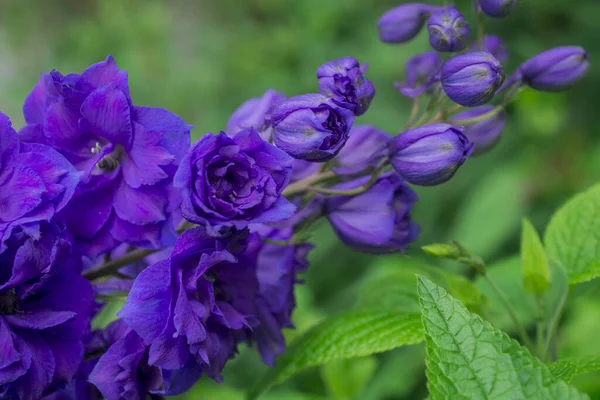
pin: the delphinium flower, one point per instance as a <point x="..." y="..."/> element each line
<point x="311" y="127"/>
<point x="343" y="81"/>
<point x="555" y="69"/>
<point x="128" y="155"/>
<point x="497" y="8"/>
<point x="421" y="74"/>
<point x="429" y="155"/>
<point x="493" y="45"/>
<point x="403" y="23"/>
<point x="484" y="133"/>
<point x="366" y="147"/>
<point x="254" y="113"/>
<point x="36" y="182"/>
<point x="472" y="79"/>
<point x="448" y="30"/>
<point x="377" y="220"/>
<point x="237" y="181"/>
<point x="45" y="311"/>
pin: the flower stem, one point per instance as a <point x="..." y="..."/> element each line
<point x="480" y="30"/>
<point x="351" y="192"/>
<point x="414" y="110"/>
<point x="554" y="320"/>
<point x="520" y="329"/>
<point x="479" y="118"/>
<point x="303" y="185"/>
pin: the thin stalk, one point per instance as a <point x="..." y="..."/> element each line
<point x="480" y="30"/>
<point x="554" y="320"/>
<point x="540" y="326"/>
<point x="302" y="185"/>
<point x="520" y="329"/>
<point x="414" y="110"/>
<point x="351" y="192"/>
<point x="479" y="118"/>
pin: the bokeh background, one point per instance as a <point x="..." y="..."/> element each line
<point x="203" y="58"/>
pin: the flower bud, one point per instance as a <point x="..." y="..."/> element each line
<point x="472" y="79"/>
<point x="310" y="127"/>
<point x="421" y="74"/>
<point x="343" y="81"/>
<point x="253" y="113"/>
<point x="493" y="45"/>
<point x="387" y="204"/>
<point x="448" y="30"/>
<point x="483" y="134"/>
<point x="429" y="155"/>
<point x="555" y="69"/>
<point x="497" y="8"/>
<point x="366" y="147"/>
<point x="403" y="23"/>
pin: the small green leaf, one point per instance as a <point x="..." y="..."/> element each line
<point x="467" y="358"/>
<point x="347" y="378"/>
<point x="568" y="368"/>
<point x="357" y="333"/>
<point x="442" y="250"/>
<point x="573" y="236"/>
<point x="536" y="271"/>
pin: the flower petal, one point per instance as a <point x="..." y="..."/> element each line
<point x="106" y="111"/>
<point x="141" y="206"/>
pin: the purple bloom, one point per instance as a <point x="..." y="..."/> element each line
<point x="128" y="155"/>
<point x="234" y="181"/>
<point x="403" y="23"/>
<point x="45" y="310"/>
<point x="36" y="182"/>
<point x="343" y="81"/>
<point x="497" y="8"/>
<point x="493" y="45"/>
<point x="448" y="30"/>
<point x="303" y="169"/>
<point x="483" y="134"/>
<point x="429" y="155"/>
<point x="376" y="221"/>
<point x="254" y="113"/>
<point x="421" y="74"/>
<point x="311" y="127"/>
<point x="184" y="307"/>
<point x="366" y="147"/>
<point x="472" y="79"/>
<point x="555" y="69"/>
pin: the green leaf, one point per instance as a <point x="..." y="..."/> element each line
<point x="536" y="271"/>
<point x="357" y="333"/>
<point x="573" y="236"/>
<point x="498" y="203"/>
<point x="347" y="378"/>
<point x="568" y="368"/>
<point x="467" y="358"/>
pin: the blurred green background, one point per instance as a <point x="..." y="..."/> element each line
<point x="203" y="58"/>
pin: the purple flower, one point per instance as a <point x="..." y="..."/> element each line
<point x="366" y="147"/>
<point x="421" y="74"/>
<point x="497" y="8"/>
<point x="429" y="155"/>
<point x="493" y="45"/>
<point x="311" y="127"/>
<point x="403" y="23"/>
<point x="343" y="81"/>
<point x="483" y="134"/>
<point x="234" y="181"/>
<point x="448" y="30"/>
<point x="122" y="372"/>
<point x="45" y="310"/>
<point x="555" y="69"/>
<point x="376" y="221"/>
<point x="303" y="169"/>
<point x="254" y="113"/>
<point x="472" y="79"/>
<point x="128" y="155"/>
<point x="184" y="307"/>
<point x="36" y="182"/>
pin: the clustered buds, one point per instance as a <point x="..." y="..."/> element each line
<point x="208" y="239"/>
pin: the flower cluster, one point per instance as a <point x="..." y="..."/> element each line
<point x="99" y="196"/>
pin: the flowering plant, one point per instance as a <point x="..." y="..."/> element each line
<point x="101" y="198"/>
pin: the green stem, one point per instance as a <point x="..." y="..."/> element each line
<point x="480" y="30"/>
<point x="520" y="329"/>
<point x="413" y="113"/>
<point x="540" y="341"/>
<point x="554" y="320"/>
<point x="303" y="185"/>
<point x="351" y="192"/>
<point x="479" y="118"/>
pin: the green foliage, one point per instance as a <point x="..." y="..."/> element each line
<point x="353" y="334"/>
<point x="347" y="378"/>
<point x="469" y="359"/>
<point x="573" y="236"/>
<point x="536" y="271"/>
<point x="568" y="368"/>
<point x="442" y="250"/>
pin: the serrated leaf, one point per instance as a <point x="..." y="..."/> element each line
<point x="358" y="333"/>
<point x="568" y="368"/>
<point x="573" y="236"/>
<point x="536" y="271"/>
<point x="467" y="358"/>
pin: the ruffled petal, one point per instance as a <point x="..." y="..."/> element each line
<point x="107" y="113"/>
